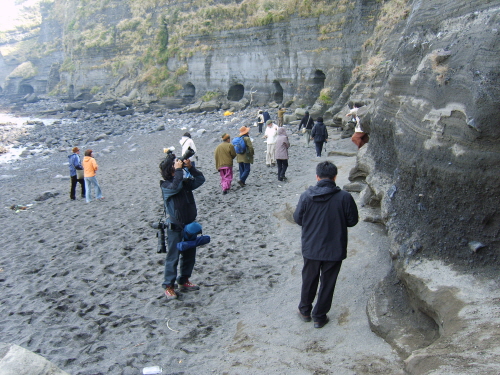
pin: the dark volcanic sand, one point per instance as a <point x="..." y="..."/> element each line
<point x="81" y="283"/>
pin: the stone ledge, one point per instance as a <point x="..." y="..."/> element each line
<point x="465" y="310"/>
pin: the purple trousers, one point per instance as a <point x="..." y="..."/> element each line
<point x="226" y="176"/>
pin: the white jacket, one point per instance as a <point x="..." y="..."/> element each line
<point x="271" y="134"/>
<point x="187" y="142"/>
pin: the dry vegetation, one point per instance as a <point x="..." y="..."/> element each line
<point x="25" y="70"/>
<point x="374" y="61"/>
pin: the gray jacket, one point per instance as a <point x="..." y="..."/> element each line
<point x="282" y="145"/>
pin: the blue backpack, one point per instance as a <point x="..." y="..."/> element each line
<point x="239" y="145"/>
<point x="266" y="116"/>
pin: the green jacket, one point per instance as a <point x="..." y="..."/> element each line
<point x="248" y="156"/>
<point x="224" y="155"/>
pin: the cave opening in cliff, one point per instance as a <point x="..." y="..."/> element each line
<point x="236" y="92"/>
<point x="318" y="82"/>
<point x="277" y="93"/>
<point x="26" y="89"/>
<point x="188" y="93"/>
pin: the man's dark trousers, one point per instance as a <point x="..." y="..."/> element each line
<point x="187" y="259"/>
<point x="74" y="182"/>
<point x="313" y="272"/>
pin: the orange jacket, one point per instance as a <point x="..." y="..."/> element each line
<point x="89" y="166"/>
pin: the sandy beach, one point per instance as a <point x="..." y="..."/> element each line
<point x="82" y="282"/>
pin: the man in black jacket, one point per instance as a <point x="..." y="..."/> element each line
<point x="180" y="179"/>
<point x="320" y="135"/>
<point x="324" y="211"/>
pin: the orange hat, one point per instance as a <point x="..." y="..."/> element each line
<point x="75" y="149"/>
<point x="244" y="130"/>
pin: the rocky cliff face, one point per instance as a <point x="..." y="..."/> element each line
<point x="435" y="131"/>
<point x="288" y="55"/>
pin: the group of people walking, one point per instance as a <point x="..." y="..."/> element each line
<point x="319" y="134"/>
<point x="242" y="149"/>
<point x="277" y="145"/>
<point x="84" y="173"/>
<point x="324" y="212"/>
<point x="316" y="132"/>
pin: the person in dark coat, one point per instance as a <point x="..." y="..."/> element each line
<point x="307" y="122"/>
<point x="180" y="179"/>
<point x="320" y="135"/>
<point x="325" y="212"/>
<point x="74" y="166"/>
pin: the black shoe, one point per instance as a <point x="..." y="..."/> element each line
<point x="322" y="323"/>
<point x="224" y="192"/>
<point x="280" y="179"/>
<point x="241" y="183"/>
<point x="304" y="318"/>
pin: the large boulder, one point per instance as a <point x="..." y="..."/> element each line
<point x="237" y="106"/>
<point x="210" y="106"/>
<point x="96" y="107"/>
<point x="299" y="113"/>
<point x="74" y="107"/>
<point x="193" y="108"/>
<point x="84" y="96"/>
<point x="15" y="360"/>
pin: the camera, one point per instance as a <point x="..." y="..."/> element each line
<point x="160" y="234"/>
<point x="160" y="225"/>
<point x="189" y="152"/>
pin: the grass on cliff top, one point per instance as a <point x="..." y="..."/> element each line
<point x="209" y="16"/>
<point x="392" y="13"/>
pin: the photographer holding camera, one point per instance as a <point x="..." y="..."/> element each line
<point x="180" y="179"/>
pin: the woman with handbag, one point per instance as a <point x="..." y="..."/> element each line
<point x="307" y="122"/>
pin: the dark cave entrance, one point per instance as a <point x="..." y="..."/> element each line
<point x="26" y="89"/>
<point x="189" y="93"/>
<point x="236" y="93"/>
<point x="318" y="82"/>
<point x="277" y="93"/>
